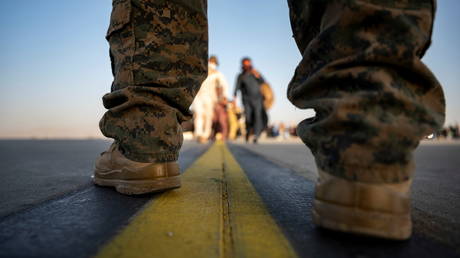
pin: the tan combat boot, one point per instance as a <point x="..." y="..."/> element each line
<point x="379" y="210"/>
<point x="131" y="177"/>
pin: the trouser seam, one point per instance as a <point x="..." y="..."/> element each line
<point x="133" y="42"/>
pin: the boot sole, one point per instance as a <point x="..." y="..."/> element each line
<point x="131" y="187"/>
<point x="359" y="221"/>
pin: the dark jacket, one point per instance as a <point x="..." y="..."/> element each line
<point x="249" y="85"/>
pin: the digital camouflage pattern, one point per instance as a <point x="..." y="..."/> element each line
<point x="361" y="72"/>
<point x="159" y="54"/>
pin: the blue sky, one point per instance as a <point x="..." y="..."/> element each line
<point x="54" y="64"/>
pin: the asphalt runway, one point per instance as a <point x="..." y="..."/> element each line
<point x="49" y="208"/>
<point x="435" y="210"/>
<point x="435" y="191"/>
<point x="34" y="171"/>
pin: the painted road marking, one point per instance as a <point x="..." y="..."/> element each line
<point x="216" y="213"/>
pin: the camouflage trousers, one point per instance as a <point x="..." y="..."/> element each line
<point x="361" y="72"/>
<point x="159" y="53"/>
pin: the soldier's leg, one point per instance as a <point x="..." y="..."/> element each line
<point x="374" y="101"/>
<point x="158" y="50"/>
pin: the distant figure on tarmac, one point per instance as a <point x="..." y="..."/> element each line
<point x="249" y="82"/>
<point x="361" y="71"/>
<point x="220" y="120"/>
<point x="206" y="100"/>
<point x="233" y="112"/>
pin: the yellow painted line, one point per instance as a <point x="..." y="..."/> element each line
<point x="216" y="213"/>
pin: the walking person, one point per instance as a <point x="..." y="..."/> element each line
<point x="206" y="100"/>
<point x="248" y="83"/>
<point x="361" y="71"/>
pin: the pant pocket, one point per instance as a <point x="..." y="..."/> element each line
<point x="120" y="17"/>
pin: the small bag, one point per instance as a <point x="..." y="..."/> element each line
<point x="267" y="94"/>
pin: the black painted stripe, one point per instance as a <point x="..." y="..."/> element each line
<point x="288" y="198"/>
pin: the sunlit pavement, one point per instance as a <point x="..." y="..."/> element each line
<point x="237" y="200"/>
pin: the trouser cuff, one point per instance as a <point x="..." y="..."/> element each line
<point x="158" y="157"/>
<point x="372" y="173"/>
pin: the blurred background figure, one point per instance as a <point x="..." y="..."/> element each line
<point x="206" y="99"/>
<point x="249" y="82"/>
<point x="234" y="114"/>
<point x="454" y="131"/>
<point x="292" y="130"/>
<point x="451" y="132"/>
<point x="283" y="133"/>
<point x="220" y="119"/>
<point x="272" y="131"/>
